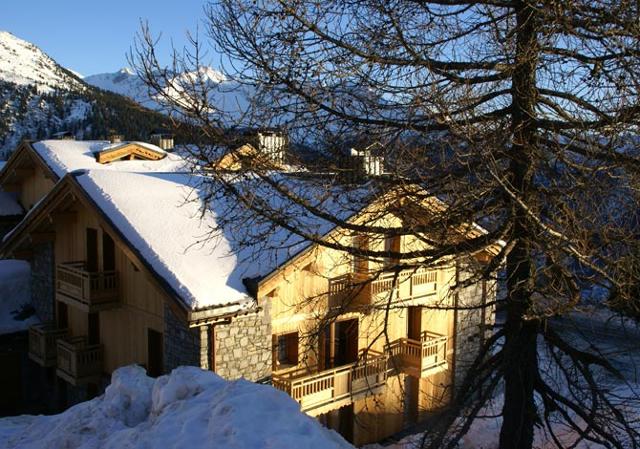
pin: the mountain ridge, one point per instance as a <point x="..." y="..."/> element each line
<point x="39" y="97"/>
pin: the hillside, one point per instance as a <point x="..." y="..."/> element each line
<point x="38" y="97"/>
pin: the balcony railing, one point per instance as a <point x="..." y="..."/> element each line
<point x="78" y="361"/>
<point x="323" y="391"/>
<point x="420" y="358"/>
<point x="90" y="291"/>
<point x="43" y="343"/>
<point x="361" y="289"/>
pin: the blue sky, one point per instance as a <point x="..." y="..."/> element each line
<point x="94" y="36"/>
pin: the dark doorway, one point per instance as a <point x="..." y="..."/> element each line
<point x="346" y="342"/>
<point x="346" y="422"/>
<point x="154" y="353"/>
<point x="341" y="420"/>
<point x="63" y="315"/>
<point x="411" y="393"/>
<point x="414" y="320"/>
<point x="94" y="328"/>
<point x="92" y="250"/>
<point x="108" y="252"/>
<point x="212" y="348"/>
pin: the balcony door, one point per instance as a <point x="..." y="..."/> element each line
<point x="94" y="328"/>
<point x="360" y="263"/>
<point x="414" y="323"/>
<point x="339" y="344"/>
<point x="62" y="314"/>
<point x="391" y="245"/>
<point x="92" y="249"/>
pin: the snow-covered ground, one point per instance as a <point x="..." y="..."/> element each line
<point x="189" y="408"/>
<point x="15" y="294"/>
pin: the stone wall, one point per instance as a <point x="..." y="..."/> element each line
<point x="243" y="347"/>
<point x="472" y="326"/>
<point x="42" y="284"/>
<point x="181" y="343"/>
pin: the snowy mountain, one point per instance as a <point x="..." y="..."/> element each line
<point x="39" y="97"/>
<point x="227" y="95"/>
<point x="123" y="82"/>
<point x="24" y="64"/>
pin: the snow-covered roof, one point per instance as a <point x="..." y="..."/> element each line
<point x="9" y="205"/>
<point x="155" y="215"/>
<point x="194" y="249"/>
<point x="65" y="156"/>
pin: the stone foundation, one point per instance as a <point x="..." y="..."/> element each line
<point x="242" y="347"/>
<point x="473" y="326"/>
<point x="181" y="343"/>
<point x="42" y="281"/>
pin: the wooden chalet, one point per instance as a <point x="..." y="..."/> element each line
<point x="111" y="290"/>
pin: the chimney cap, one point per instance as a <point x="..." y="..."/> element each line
<point x="161" y="132"/>
<point x="64" y="135"/>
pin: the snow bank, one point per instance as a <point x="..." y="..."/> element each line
<point x="9" y="205"/>
<point x="189" y="408"/>
<point x="15" y="293"/>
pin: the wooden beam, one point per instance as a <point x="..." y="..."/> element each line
<point x="23" y="172"/>
<point x="24" y="254"/>
<point x="42" y="237"/>
<point x="67" y="215"/>
<point x="11" y="187"/>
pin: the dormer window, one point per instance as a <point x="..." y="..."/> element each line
<point x="130" y="151"/>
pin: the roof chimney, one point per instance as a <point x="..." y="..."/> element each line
<point x="370" y="160"/>
<point x="162" y="139"/>
<point x="116" y="138"/>
<point x="64" y="135"/>
<point x="273" y="143"/>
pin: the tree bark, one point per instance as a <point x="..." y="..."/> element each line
<point x="520" y="364"/>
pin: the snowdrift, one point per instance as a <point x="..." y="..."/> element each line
<point x="15" y="294"/>
<point x="189" y="408"/>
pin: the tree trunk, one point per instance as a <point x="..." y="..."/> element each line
<point x="520" y="364"/>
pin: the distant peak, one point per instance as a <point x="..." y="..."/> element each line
<point x="78" y="74"/>
<point x="126" y="71"/>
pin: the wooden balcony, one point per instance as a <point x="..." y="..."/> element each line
<point x="88" y="291"/>
<point x="78" y="361"/>
<point x="323" y="391"/>
<point x="356" y="289"/>
<point x="43" y="343"/>
<point x="420" y="358"/>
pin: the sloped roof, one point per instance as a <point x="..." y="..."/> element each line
<point x="65" y="156"/>
<point x="164" y="218"/>
<point x="121" y="150"/>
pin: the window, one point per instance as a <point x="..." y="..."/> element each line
<point x="92" y="250"/>
<point x="108" y="252"/>
<point x="286" y="350"/>
<point x="360" y="261"/>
